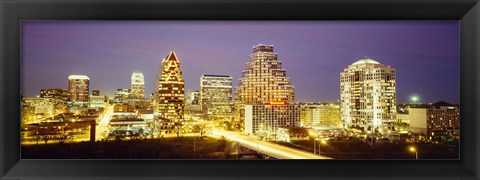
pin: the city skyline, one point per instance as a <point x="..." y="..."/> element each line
<point x="425" y="53"/>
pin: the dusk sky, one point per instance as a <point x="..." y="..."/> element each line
<point x="425" y="54"/>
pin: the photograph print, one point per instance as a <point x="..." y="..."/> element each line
<point x="361" y="90"/>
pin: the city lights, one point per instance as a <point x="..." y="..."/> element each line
<point x="216" y="102"/>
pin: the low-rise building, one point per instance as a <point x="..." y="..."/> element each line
<point x="326" y="114"/>
<point x="440" y="120"/>
<point x="42" y="108"/>
<point x="97" y="101"/>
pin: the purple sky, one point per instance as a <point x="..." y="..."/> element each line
<point x="424" y="53"/>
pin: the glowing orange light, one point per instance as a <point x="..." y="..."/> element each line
<point x="277" y="103"/>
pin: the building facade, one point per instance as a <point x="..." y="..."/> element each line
<point x="97" y="101"/>
<point x="309" y="114"/>
<point x="42" y="108"/>
<point x="170" y="93"/>
<point x="265" y="119"/>
<point x="216" y="96"/>
<point x="263" y="80"/>
<point x="440" y="120"/>
<point x="368" y="96"/>
<point x="55" y="93"/>
<point x="324" y="114"/>
<point x="78" y="88"/>
<point x="121" y="95"/>
<point x="137" y="90"/>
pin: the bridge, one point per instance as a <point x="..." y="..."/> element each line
<point x="267" y="148"/>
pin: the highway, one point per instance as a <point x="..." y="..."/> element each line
<point x="102" y="127"/>
<point x="272" y="149"/>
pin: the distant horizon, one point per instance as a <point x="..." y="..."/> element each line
<point x="425" y="54"/>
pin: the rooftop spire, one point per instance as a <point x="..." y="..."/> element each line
<point x="172" y="56"/>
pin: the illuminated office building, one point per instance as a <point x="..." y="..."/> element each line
<point x="216" y="96"/>
<point x="54" y="93"/>
<point x="137" y="90"/>
<point x="43" y="107"/>
<point x="170" y="93"/>
<point x="324" y="114"/>
<point x="263" y="80"/>
<point x="265" y="119"/>
<point x="78" y="88"/>
<point x="97" y="101"/>
<point x="438" y="120"/>
<point x="368" y="96"/>
<point x="121" y="95"/>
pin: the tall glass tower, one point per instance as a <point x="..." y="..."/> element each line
<point x="170" y="93"/>
<point x="216" y="96"/>
<point x="263" y="81"/>
<point x="137" y="90"/>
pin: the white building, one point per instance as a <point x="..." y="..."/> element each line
<point x="137" y="90"/>
<point x="418" y="119"/>
<point x="368" y="96"/>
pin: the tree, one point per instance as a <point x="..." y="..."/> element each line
<point x="45" y="138"/>
<point x="178" y="129"/>
<point x="298" y="132"/>
<point x="202" y="129"/>
<point x="402" y="126"/>
<point x="37" y="135"/>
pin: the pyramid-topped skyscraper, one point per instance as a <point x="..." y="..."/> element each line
<point x="170" y="93"/>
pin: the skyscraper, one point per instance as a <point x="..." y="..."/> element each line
<point x="137" y="90"/>
<point x="170" y="93"/>
<point x="78" y="88"/>
<point x="262" y="81"/>
<point x="368" y="96"/>
<point x="216" y="96"/>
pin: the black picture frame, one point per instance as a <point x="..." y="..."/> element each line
<point x="14" y="11"/>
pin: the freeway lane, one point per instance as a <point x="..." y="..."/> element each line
<point x="272" y="149"/>
<point x="102" y="127"/>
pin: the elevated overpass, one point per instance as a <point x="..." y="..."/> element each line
<point x="268" y="148"/>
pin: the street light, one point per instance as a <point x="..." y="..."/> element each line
<point x="319" y="145"/>
<point x="412" y="149"/>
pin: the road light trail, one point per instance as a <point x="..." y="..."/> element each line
<point x="268" y="148"/>
<point x="102" y="127"/>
